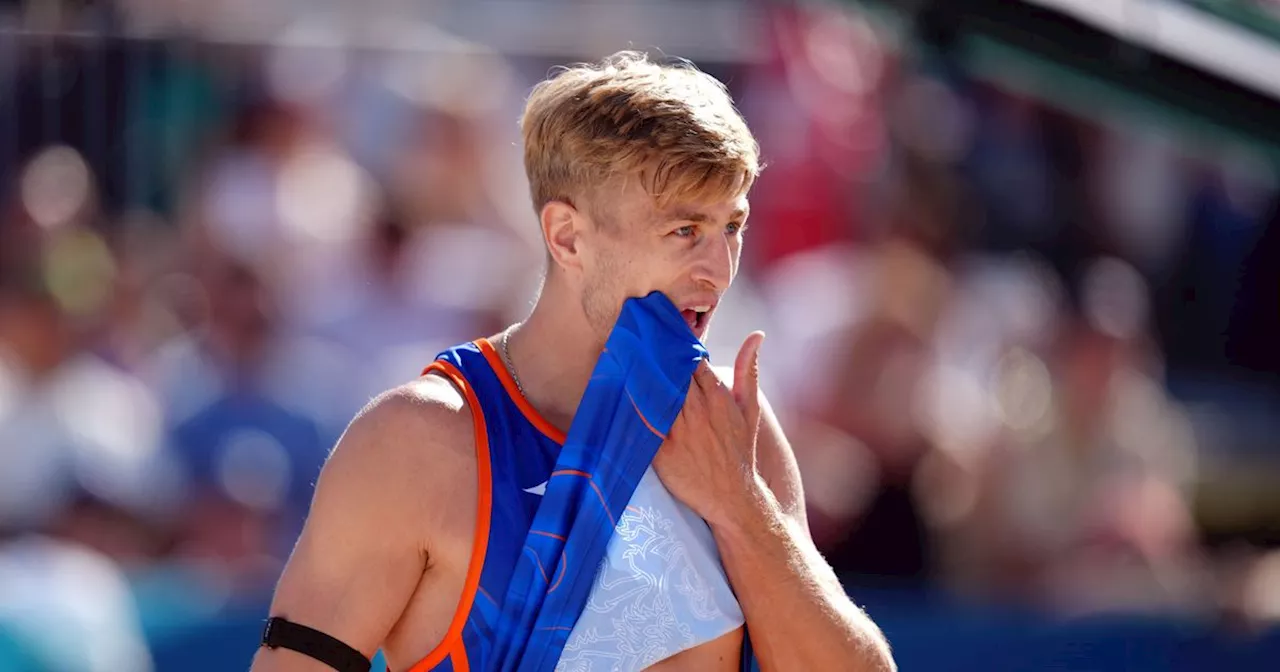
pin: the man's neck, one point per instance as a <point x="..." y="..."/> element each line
<point x="553" y="353"/>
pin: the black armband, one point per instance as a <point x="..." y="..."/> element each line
<point x="284" y="634"/>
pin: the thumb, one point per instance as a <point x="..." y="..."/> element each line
<point x="746" y="376"/>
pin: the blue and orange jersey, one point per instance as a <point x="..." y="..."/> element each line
<point x="517" y="453"/>
<point x="516" y="450"/>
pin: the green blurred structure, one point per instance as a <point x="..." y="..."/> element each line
<point x="1209" y="69"/>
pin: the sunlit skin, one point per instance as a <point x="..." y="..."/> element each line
<point x="383" y="558"/>
<point x="393" y="495"/>
<point x="690" y="252"/>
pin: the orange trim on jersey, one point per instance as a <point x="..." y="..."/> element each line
<point x="564" y="564"/>
<point x="536" y="559"/>
<point x="452" y="646"/>
<point x="590" y="481"/>
<point x="530" y="413"/>
<point x="643" y="419"/>
<point x="459" y="658"/>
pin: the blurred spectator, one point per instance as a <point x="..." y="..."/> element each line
<point x="240" y="425"/>
<point x="877" y="378"/>
<point x="224" y="227"/>
<point x="1083" y="496"/>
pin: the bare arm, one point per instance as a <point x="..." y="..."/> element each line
<point x="362" y="551"/>
<point x="798" y="614"/>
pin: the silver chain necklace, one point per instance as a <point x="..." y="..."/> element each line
<point x="506" y="359"/>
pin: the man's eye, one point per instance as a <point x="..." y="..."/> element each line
<point x="733" y="228"/>
<point x="685" y="231"/>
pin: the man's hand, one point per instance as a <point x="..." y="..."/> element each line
<point x="709" y="458"/>
<point x="799" y="615"/>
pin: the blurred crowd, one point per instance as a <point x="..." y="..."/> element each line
<point x="213" y="254"/>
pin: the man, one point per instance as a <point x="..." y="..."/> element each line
<point x="639" y="174"/>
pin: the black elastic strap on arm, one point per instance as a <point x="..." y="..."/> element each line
<point x="280" y="633"/>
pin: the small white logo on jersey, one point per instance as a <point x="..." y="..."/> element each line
<point x="539" y="489"/>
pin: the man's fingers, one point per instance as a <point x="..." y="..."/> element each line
<point x="705" y="377"/>
<point x="746" y="376"/>
<point x="695" y="401"/>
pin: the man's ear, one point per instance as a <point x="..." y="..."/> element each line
<point x="562" y="226"/>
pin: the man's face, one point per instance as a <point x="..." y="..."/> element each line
<point x="688" y="251"/>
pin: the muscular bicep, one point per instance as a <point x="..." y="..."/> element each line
<point x="362" y="551"/>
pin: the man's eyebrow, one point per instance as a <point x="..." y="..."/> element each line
<point x="689" y="216"/>
<point x="738" y="215"/>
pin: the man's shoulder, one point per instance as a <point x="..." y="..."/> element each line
<point x="429" y="400"/>
<point x="422" y="420"/>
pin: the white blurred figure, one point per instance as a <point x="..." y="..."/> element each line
<point x="80" y="436"/>
<point x="376" y="272"/>
<point x="286" y="198"/>
<point x="68" y="608"/>
<point x="285" y="202"/>
<point x="441" y="147"/>
<point x="405" y="303"/>
<point x="84" y="489"/>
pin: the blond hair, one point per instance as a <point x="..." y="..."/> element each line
<point x="673" y="127"/>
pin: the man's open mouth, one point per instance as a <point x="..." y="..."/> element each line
<point x="697" y="317"/>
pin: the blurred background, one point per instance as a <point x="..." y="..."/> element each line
<point x="1019" y="263"/>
